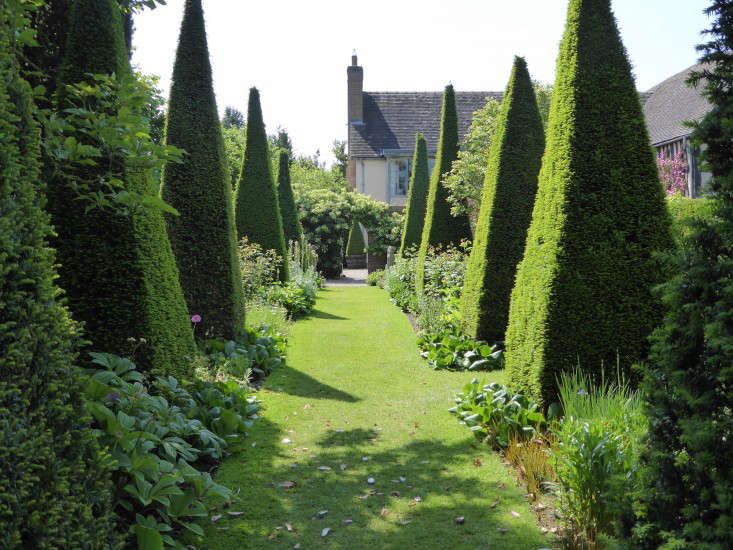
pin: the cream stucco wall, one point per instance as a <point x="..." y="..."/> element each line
<point x="371" y="178"/>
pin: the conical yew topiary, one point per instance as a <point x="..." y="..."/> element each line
<point x="55" y="489"/>
<point x="203" y="236"/>
<point x="291" y="223"/>
<point x="417" y="196"/>
<point x="117" y="268"/>
<point x="355" y="245"/>
<point x="256" y="204"/>
<point x="583" y="292"/>
<point x="506" y="209"/>
<point x="440" y="227"/>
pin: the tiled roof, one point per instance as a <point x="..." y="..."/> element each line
<point x="391" y="119"/>
<point x="670" y="104"/>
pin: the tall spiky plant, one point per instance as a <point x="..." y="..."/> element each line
<point x="506" y="209"/>
<point x="256" y="202"/>
<point x="118" y="270"/>
<point x="417" y="196"/>
<point x="203" y="236"/>
<point x="440" y="227"/>
<point x="583" y="292"/>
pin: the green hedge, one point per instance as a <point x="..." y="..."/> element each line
<point x="256" y="202"/>
<point x="440" y="227"/>
<point x="292" y="230"/>
<point x="506" y="209"/>
<point x="685" y="211"/>
<point x="417" y="196"/>
<point x="54" y="478"/>
<point x="203" y="236"/>
<point x="583" y="293"/>
<point x="117" y="269"/>
<point x="355" y="245"/>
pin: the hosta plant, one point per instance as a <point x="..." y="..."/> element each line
<point x="496" y="414"/>
<point x="453" y="350"/>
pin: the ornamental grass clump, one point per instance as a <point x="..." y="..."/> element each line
<point x="584" y="289"/>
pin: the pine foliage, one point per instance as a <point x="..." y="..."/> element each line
<point x="440" y="227"/>
<point x="256" y="202"/>
<point x="417" y="196"/>
<point x="203" y="236"/>
<point x="292" y="229"/>
<point x="583" y="292"/>
<point x="506" y="209"/>
<point x="687" y="494"/>
<point x="54" y="479"/>
<point x="117" y="269"/>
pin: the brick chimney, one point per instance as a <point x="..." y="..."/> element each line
<point x="355" y="81"/>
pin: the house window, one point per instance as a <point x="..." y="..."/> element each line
<point x="399" y="175"/>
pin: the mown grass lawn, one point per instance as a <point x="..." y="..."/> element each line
<point x="356" y="398"/>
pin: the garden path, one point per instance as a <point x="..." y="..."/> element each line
<point x="356" y="404"/>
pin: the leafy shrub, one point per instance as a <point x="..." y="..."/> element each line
<point x="596" y="456"/>
<point x="270" y="317"/>
<point x="445" y="268"/>
<point x="260" y="268"/>
<point x="297" y="299"/>
<point x="375" y="278"/>
<point x="496" y="414"/>
<point x="162" y="441"/>
<point x="453" y="350"/>
<point x="258" y="352"/>
<point x="685" y="212"/>
<point x="399" y="281"/>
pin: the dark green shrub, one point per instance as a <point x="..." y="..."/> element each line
<point x="417" y="196"/>
<point x="583" y="292"/>
<point x="55" y="489"/>
<point x="355" y="245"/>
<point x="325" y="215"/>
<point x="256" y="201"/>
<point x="506" y="209"/>
<point x="686" y="500"/>
<point x="375" y="278"/>
<point x="116" y="267"/>
<point x="440" y="227"/>
<point x="203" y="236"/>
<point x="292" y="230"/>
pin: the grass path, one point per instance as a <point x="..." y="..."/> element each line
<point x="355" y="387"/>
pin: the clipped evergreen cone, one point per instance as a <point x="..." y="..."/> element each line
<point x="355" y="248"/>
<point x="417" y="196"/>
<point x="506" y="209"/>
<point x="292" y="230"/>
<point x="203" y="236"/>
<point x="256" y="202"/>
<point x="441" y="228"/>
<point x="118" y="270"/>
<point x="583" y="292"/>
<point x="55" y="488"/>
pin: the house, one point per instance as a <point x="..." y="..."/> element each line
<point x="666" y="107"/>
<point x="382" y="127"/>
<point x="381" y="134"/>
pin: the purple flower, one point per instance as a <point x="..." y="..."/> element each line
<point x="581" y="392"/>
<point x="112" y="397"/>
<point x="195" y="318"/>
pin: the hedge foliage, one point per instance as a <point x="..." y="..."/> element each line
<point x="292" y="230"/>
<point x="440" y="227"/>
<point x="203" y="236"/>
<point x="583" y="292"/>
<point x="256" y="199"/>
<point x="54" y="478"/>
<point x="417" y="196"/>
<point x="117" y="269"/>
<point x="506" y="209"/>
<point x="686" y="499"/>
<point x="686" y="212"/>
<point x="355" y="246"/>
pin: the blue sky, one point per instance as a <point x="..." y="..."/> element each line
<point x="296" y="52"/>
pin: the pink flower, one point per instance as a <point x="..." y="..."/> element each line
<point x="195" y="318"/>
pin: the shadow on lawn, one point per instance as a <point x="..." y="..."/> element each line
<point x="295" y="382"/>
<point x="318" y="314"/>
<point x="341" y="438"/>
<point x="413" y="503"/>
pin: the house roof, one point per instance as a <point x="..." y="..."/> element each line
<point x="391" y="120"/>
<point x="669" y="104"/>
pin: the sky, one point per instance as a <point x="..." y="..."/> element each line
<point x="296" y="52"/>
